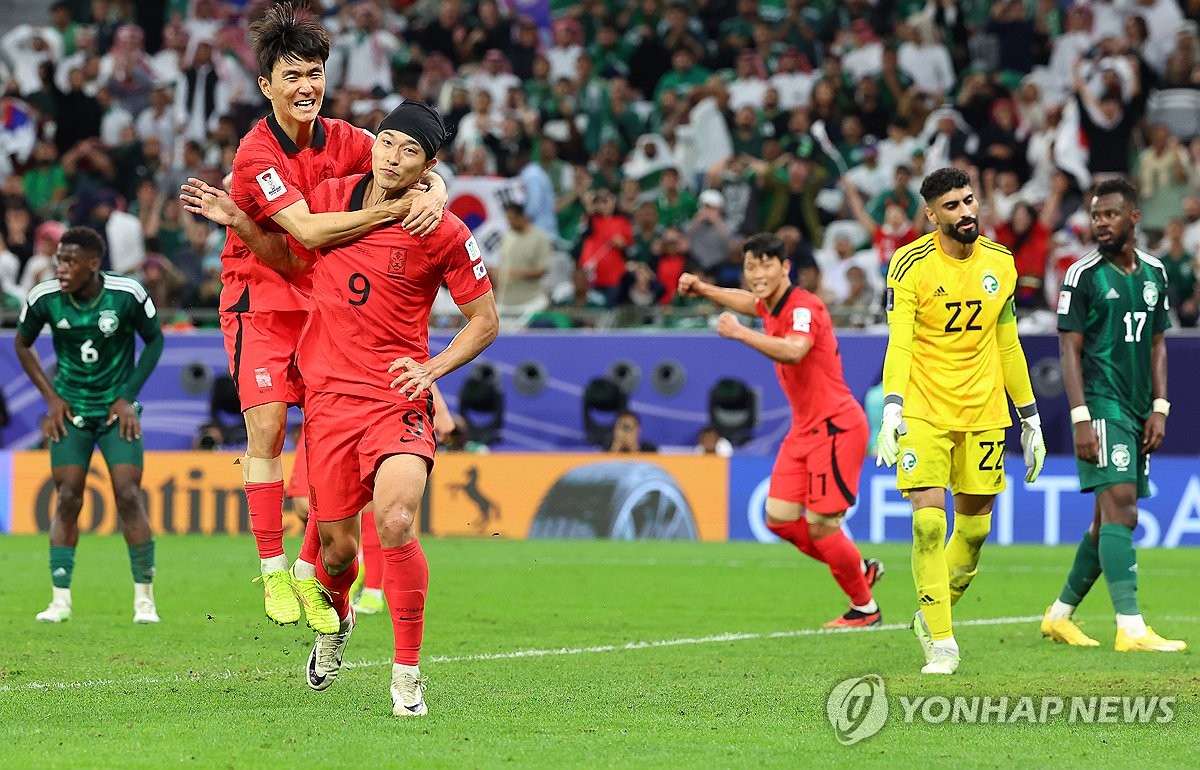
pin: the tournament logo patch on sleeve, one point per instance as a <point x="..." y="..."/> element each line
<point x="473" y="250"/>
<point x="802" y="320"/>
<point x="272" y="186"/>
<point x="1064" y="302"/>
<point x="889" y="299"/>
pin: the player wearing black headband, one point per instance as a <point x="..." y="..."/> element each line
<point x="369" y="434"/>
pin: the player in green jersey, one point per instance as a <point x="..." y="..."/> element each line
<point x="1112" y="312"/>
<point x="93" y="317"/>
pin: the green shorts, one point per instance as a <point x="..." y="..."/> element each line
<point x="76" y="448"/>
<point x="1121" y="461"/>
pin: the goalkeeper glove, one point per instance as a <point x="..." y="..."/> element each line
<point x="887" y="443"/>
<point x="1032" y="446"/>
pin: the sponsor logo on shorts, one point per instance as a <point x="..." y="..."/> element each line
<point x="1121" y="457"/>
<point x="991" y="284"/>
<point x="108" y="322"/>
<point x="263" y="378"/>
<point x="1150" y="293"/>
<point x="908" y="460"/>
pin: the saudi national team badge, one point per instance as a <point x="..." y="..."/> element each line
<point x="108" y="323"/>
<point x="1120" y="457"/>
<point x="908" y="460"/>
<point x="1150" y="293"/>
<point x="991" y="284"/>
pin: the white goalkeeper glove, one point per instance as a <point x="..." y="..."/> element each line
<point x="887" y="443"/>
<point x="1033" y="446"/>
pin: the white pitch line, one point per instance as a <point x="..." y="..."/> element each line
<point x="486" y="656"/>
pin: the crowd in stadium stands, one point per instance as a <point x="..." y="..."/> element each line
<point x="649" y="137"/>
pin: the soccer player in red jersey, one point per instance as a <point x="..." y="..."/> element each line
<point x="815" y="478"/>
<point x="365" y="359"/>
<point x="278" y="163"/>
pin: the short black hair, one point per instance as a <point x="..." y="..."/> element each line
<point x="943" y="181"/>
<point x="85" y="238"/>
<point x="765" y="246"/>
<point x="287" y="32"/>
<point x="1118" y="186"/>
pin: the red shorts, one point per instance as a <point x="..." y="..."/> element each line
<point x="261" y="346"/>
<point x="298" y="484"/>
<point x="820" y="469"/>
<point x="347" y="438"/>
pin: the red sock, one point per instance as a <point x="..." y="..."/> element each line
<point x="338" y="586"/>
<point x="846" y="564"/>
<point x="796" y="533"/>
<point x="372" y="551"/>
<point x="405" y="583"/>
<point x="310" y="549"/>
<point x="266" y="517"/>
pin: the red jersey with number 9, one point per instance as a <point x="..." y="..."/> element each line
<point x="372" y="296"/>
<point x="815" y="387"/>
<point x="271" y="173"/>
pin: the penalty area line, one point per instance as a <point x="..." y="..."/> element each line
<point x="216" y="676"/>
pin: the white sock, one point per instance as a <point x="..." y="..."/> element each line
<point x="1133" y="625"/>
<point x="273" y="563"/>
<point x="376" y="593"/>
<point x="868" y="608"/>
<point x="1061" y="610"/>
<point x="143" y="591"/>
<point x="61" y="595"/>
<point x="949" y="643"/>
<point x="400" y="668"/>
<point x="304" y="570"/>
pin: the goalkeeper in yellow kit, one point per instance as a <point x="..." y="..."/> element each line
<point x="952" y="353"/>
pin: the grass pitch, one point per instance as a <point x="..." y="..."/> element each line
<point x="569" y="654"/>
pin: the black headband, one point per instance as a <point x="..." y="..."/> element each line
<point x="421" y="122"/>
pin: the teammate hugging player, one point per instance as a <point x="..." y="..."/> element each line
<point x="950" y="308"/>
<point x="1112" y="312"/>
<point x="815" y="478"/>
<point x="369" y="434"/>
<point x="93" y="317"/>
<point x="278" y="162"/>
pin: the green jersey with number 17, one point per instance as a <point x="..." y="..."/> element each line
<point x="1118" y="314"/>
<point x="93" y="340"/>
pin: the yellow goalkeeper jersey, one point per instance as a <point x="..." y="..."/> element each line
<point x="956" y="378"/>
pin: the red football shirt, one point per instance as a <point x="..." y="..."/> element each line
<point x="271" y="173"/>
<point x="815" y="387"/>
<point x="371" y="297"/>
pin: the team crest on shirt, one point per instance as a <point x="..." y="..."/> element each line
<point x="1150" y="293"/>
<point x="1120" y="457"/>
<point x="908" y="461"/>
<point x="272" y="186"/>
<point x="991" y="284"/>
<point x="108" y="323"/>
<point x="396" y="261"/>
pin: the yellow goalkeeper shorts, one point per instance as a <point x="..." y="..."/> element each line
<point x="970" y="462"/>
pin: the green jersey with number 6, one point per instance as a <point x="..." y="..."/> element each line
<point x="1118" y="314"/>
<point x="93" y="341"/>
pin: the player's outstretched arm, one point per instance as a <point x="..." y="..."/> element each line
<point x="1070" y="353"/>
<point x="785" y="350"/>
<point x="215" y="205"/>
<point x="329" y="228"/>
<point x="483" y="324"/>
<point x="737" y="300"/>
<point x="55" y="425"/>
